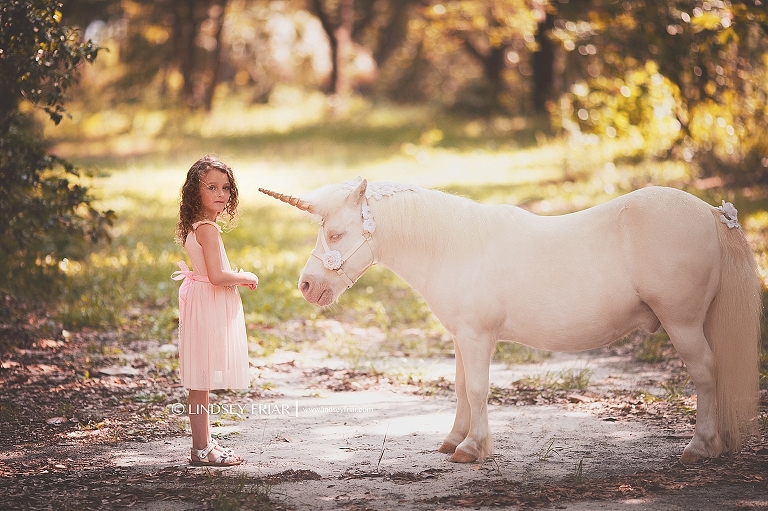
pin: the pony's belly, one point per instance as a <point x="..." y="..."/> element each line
<point x="570" y="333"/>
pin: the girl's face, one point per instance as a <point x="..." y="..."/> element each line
<point x="215" y="191"/>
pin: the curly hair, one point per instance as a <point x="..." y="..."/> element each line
<point x="190" y="201"/>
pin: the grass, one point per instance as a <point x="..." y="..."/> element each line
<point x="511" y="353"/>
<point x="355" y="352"/>
<point x="578" y="476"/>
<point x="675" y="395"/>
<point x="655" y="348"/>
<point x="139" y="167"/>
<point x="548" y="450"/>
<point x="9" y="412"/>
<point x="567" y="379"/>
<point x="241" y="492"/>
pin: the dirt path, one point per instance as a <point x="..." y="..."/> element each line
<point x="317" y="434"/>
<point x="376" y="449"/>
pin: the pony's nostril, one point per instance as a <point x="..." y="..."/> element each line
<point x="304" y="286"/>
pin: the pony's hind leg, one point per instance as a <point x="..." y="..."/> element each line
<point x="461" y="421"/>
<point x="693" y="348"/>
<point x="476" y="360"/>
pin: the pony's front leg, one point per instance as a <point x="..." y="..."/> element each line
<point x="476" y="360"/>
<point x="461" y="421"/>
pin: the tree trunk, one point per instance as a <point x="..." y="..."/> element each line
<point x="213" y="72"/>
<point x="393" y="34"/>
<point x="494" y="63"/>
<point x="340" y="39"/>
<point x="330" y="32"/>
<point x="343" y="36"/>
<point x="185" y="29"/>
<point x="542" y="62"/>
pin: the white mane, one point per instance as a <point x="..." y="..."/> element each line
<point x="439" y="222"/>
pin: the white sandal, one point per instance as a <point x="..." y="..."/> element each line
<point x="226" y="459"/>
<point x="226" y="450"/>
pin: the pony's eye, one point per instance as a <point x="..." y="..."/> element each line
<point x="335" y="237"/>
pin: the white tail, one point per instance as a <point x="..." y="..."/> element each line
<point x="732" y="328"/>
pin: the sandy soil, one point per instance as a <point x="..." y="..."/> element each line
<point x="373" y="446"/>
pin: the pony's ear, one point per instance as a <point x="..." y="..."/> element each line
<point x="358" y="194"/>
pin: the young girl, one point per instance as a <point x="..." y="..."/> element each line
<point x="213" y="349"/>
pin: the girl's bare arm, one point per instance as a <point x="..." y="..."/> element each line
<point x="208" y="237"/>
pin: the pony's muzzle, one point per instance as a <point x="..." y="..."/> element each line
<point x="305" y="285"/>
<point x="315" y="290"/>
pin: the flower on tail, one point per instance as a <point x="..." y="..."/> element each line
<point x="332" y="259"/>
<point x="729" y="215"/>
<point x="369" y="224"/>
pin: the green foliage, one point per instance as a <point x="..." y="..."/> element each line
<point x="121" y="287"/>
<point x="566" y="379"/>
<point x="39" y="57"/>
<point x="675" y="392"/>
<point x="687" y="77"/>
<point x="511" y="353"/>
<point x="655" y="348"/>
<point x="643" y="109"/>
<point x="46" y="212"/>
<point x="674" y="78"/>
<point x="492" y="34"/>
<point x="240" y="493"/>
<point x="127" y="285"/>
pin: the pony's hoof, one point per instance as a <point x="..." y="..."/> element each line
<point x="447" y="448"/>
<point x="692" y="455"/>
<point x="697" y="451"/>
<point x="462" y="457"/>
<point x="465" y="453"/>
<point x="689" y="458"/>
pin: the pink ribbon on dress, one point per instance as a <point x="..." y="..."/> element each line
<point x="185" y="274"/>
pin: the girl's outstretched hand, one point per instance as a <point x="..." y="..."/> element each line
<point x="250" y="280"/>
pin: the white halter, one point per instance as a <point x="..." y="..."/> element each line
<point x="334" y="261"/>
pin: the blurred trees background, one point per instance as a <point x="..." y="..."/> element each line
<point x="680" y="79"/>
<point x="46" y="213"/>
<point x="687" y="77"/>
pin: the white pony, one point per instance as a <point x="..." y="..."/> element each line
<point x="654" y="257"/>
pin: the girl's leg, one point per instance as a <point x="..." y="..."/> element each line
<point x="198" y="418"/>
<point x="198" y="423"/>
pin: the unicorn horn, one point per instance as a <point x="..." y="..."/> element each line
<point x="293" y="201"/>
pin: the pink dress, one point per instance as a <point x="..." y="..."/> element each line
<point x="213" y="347"/>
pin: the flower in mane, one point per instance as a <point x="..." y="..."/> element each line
<point x="369" y="224"/>
<point x="378" y="190"/>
